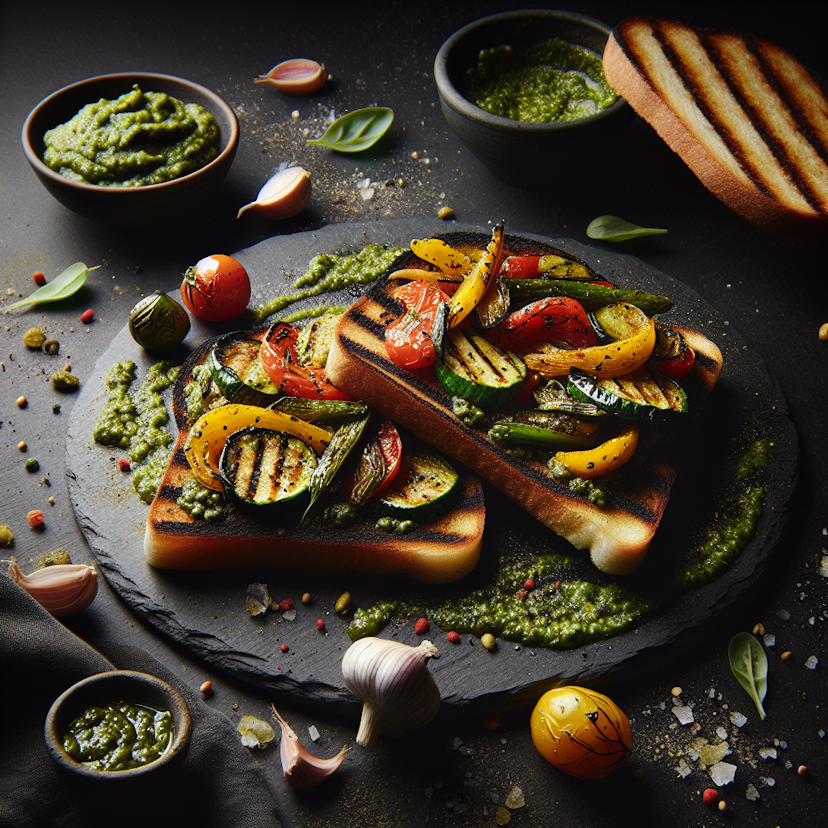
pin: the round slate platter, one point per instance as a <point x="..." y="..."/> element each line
<point x="205" y="612"/>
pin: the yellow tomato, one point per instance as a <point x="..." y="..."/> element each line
<point x="581" y="732"/>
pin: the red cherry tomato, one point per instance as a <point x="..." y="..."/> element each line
<point x="281" y="364"/>
<point x="377" y="467"/>
<point x="216" y="289"/>
<point x="556" y="319"/>
<point x="675" y="368"/>
<point x="408" y="339"/>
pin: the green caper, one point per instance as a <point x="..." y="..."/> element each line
<point x="158" y="322"/>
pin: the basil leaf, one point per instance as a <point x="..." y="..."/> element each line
<point x="612" y="228"/>
<point x="68" y="283"/>
<point x="358" y="130"/>
<point x="749" y="664"/>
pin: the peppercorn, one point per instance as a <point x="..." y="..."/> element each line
<point x="453" y="636"/>
<point x="206" y="689"/>
<point x="488" y="641"/>
<point x="710" y="796"/>
<point x="123" y="464"/>
<point x="22" y="446"/>
<point x="286" y="604"/>
<point x="35" y="517"/>
<point x="56" y="408"/>
<point x="307" y="598"/>
<point x="445" y="213"/>
<point x="823" y="331"/>
<point x="87" y="316"/>
<point x="320" y="624"/>
<point x="343" y="603"/>
<point x="32" y="465"/>
<point x="22" y="402"/>
<point x="422" y="626"/>
<point x="39" y="278"/>
<point x="284" y="648"/>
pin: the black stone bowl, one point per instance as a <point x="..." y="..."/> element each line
<point x="131" y="206"/>
<point x="522" y="154"/>
<point x="107" y="688"/>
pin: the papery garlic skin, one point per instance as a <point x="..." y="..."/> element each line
<point x="62" y="589"/>
<point x="302" y="769"/>
<point x="298" y="76"/>
<point x="393" y="681"/>
<point x="282" y="196"/>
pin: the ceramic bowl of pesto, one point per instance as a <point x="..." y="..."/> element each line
<point x="114" y="727"/>
<point x="171" y="163"/>
<point x="513" y="136"/>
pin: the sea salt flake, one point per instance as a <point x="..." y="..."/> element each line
<point x="768" y="753"/>
<point x="767" y="781"/>
<point x="811" y="662"/>
<point x="769" y="639"/>
<point x="683" y="769"/>
<point x="738" y="719"/>
<point x="289" y="615"/>
<point x="722" y="773"/>
<point x="684" y="714"/>
<point x="721" y="733"/>
<point x="751" y="793"/>
<point x="313" y="732"/>
<point x="515" y="799"/>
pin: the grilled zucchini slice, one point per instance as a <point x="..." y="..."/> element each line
<point x="238" y="372"/>
<point x="479" y="372"/>
<point x="425" y="486"/>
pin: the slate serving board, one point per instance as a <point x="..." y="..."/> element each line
<point x="205" y="612"/>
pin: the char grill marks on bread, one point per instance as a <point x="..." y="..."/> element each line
<point x="745" y="115"/>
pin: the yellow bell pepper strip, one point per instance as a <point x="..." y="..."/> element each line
<point x="441" y="254"/>
<point x="210" y="432"/>
<point x="610" y="360"/>
<point x="471" y="291"/>
<point x="601" y="460"/>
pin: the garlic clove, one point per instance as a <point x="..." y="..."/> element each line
<point x="284" y="195"/>
<point x="393" y="681"/>
<point x="301" y="768"/>
<point x="298" y="76"/>
<point x="62" y="589"/>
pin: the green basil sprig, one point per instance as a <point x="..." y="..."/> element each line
<point x="68" y="283"/>
<point x="749" y="664"/>
<point x="614" y="229"/>
<point x="358" y="130"/>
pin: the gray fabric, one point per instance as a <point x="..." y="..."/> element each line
<point x="219" y="784"/>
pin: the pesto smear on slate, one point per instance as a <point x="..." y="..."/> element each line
<point x="139" y="138"/>
<point x="553" y="81"/>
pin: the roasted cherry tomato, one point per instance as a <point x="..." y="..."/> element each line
<point x="216" y="289"/>
<point x="672" y="356"/>
<point x="408" y="339"/>
<point x="581" y="732"/>
<point x="377" y="467"/>
<point x="279" y="360"/>
<point x="556" y="319"/>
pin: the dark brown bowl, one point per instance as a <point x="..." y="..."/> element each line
<point x="152" y="203"/>
<point x="104" y="689"/>
<point x="523" y="154"/>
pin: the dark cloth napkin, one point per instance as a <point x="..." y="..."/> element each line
<point x="219" y="783"/>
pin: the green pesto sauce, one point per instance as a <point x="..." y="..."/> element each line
<point x="734" y="523"/>
<point x="137" y="422"/>
<point x="119" y="737"/>
<point x="328" y="272"/>
<point x="200" y="502"/>
<point x="139" y="138"/>
<point x="557" y="613"/>
<point x="548" y="82"/>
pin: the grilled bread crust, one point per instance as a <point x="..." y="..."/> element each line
<point x="743" y="114"/>
<point x="438" y="552"/>
<point x="616" y="535"/>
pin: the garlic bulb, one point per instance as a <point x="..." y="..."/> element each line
<point x="62" y="589"/>
<point x="284" y="195"/>
<point x="298" y="76"/>
<point x="393" y="681"/>
<point x="302" y="769"/>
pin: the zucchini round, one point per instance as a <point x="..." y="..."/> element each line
<point x="635" y="396"/>
<point x="261" y="467"/>
<point x="426" y="485"/>
<point x="238" y="372"/>
<point x="479" y="372"/>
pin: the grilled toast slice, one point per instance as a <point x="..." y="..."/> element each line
<point x="743" y="114"/>
<point x="617" y="535"/>
<point x="438" y="552"/>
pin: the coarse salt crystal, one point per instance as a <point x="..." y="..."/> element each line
<point x="770" y="640"/>
<point x="738" y="719"/>
<point x="768" y="753"/>
<point x="811" y="662"/>
<point x="684" y="714"/>
<point x="751" y="793"/>
<point x="722" y="773"/>
<point x="313" y="732"/>
<point x="721" y="733"/>
<point x="683" y="769"/>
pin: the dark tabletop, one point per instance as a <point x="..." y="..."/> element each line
<point x="770" y="290"/>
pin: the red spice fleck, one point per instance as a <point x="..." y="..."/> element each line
<point x="522" y="595"/>
<point x="39" y="278"/>
<point x="421" y="626"/>
<point x="35" y="517"/>
<point x="87" y="316"/>
<point x="286" y="604"/>
<point x="557" y="586"/>
<point x="320" y="623"/>
<point x="284" y="648"/>
<point x="123" y="464"/>
<point x="453" y="636"/>
<point x="695" y="728"/>
<point x="710" y="796"/>
<point x="530" y="584"/>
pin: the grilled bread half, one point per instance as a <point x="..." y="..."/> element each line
<point x="743" y="114"/>
<point x="616" y="534"/>
<point x="438" y="551"/>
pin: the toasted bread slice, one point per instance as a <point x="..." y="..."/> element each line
<point x="616" y="535"/>
<point x="438" y="552"/>
<point x="743" y="114"/>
